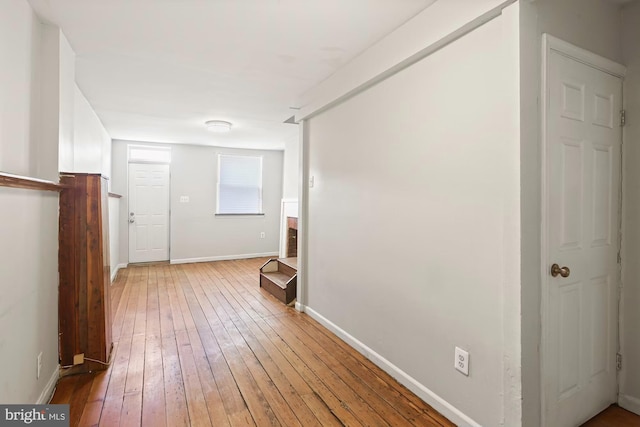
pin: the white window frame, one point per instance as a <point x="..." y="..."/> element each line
<point x="151" y="149"/>
<point x="261" y="209"/>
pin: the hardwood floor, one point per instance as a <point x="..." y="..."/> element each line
<point x="614" y="416"/>
<point x="203" y="345"/>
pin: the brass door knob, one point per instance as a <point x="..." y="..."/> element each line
<point x="562" y="271"/>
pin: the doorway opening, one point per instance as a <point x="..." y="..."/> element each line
<point x="149" y="203"/>
<point x="582" y="138"/>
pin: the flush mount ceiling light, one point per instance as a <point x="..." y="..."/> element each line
<point x="219" y="126"/>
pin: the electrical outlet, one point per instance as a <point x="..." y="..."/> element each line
<point x="39" y="366"/>
<point x="262" y="234"/>
<point x="461" y="361"/>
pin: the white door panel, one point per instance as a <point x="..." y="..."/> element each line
<point x="148" y="212"/>
<point x="583" y="181"/>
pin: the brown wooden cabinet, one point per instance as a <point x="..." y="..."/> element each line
<point x="84" y="300"/>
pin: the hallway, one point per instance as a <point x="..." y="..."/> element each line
<point x="201" y="344"/>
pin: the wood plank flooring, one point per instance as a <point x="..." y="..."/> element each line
<point x="614" y="416"/>
<point x="203" y="345"/>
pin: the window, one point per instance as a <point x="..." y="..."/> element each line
<point x="148" y="154"/>
<point x="239" y="185"/>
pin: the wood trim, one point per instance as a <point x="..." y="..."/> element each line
<point x="115" y="195"/>
<point x="582" y="55"/>
<point x="17" y="181"/>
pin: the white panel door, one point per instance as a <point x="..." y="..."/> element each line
<point x="148" y="212"/>
<point x="583" y="190"/>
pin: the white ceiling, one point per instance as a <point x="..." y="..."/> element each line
<point x="156" y="70"/>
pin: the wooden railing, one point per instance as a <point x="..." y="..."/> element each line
<point x="17" y="181"/>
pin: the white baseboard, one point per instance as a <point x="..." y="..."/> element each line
<point x="438" y="403"/>
<point x="222" y="258"/>
<point x="299" y="307"/>
<point x="49" y="388"/>
<point x="629" y="403"/>
<point x="115" y="272"/>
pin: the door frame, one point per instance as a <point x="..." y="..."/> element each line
<point x="549" y="44"/>
<point x="130" y="162"/>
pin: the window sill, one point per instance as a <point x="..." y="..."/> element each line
<point x="239" y="214"/>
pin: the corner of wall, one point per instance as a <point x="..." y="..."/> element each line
<point x="66" y="104"/>
<point x="629" y="403"/>
<point x="49" y="388"/>
<point x="47" y="155"/>
<point x="629" y="397"/>
<point x="530" y="212"/>
<point x="512" y="289"/>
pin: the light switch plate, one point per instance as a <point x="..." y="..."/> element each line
<point x="184" y="199"/>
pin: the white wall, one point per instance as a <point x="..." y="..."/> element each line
<point x="67" y="101"/>
<point x="119" y="185"/>
<point x="590" y="24"/>
<point x="291" y="168"/>
<point x="71" y="130"/>
<point x="91" y="153"/>
<point x="28" y="219"/>
<point x="530" y="211"/>
<point x="56" y="105"/>
<point x="29" y="287"/>
<point x="413" y="227"/>
<point x="114" y="236"/>
<point x="20" y="86"/>
<point x="91" y="142"/>
<point x="197" y="234"/>
<point x="428" y="31"/>
<point x="630" y="375"/>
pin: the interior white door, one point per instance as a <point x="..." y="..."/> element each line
<point x="583" y="191"/>
<point x="148" y="212"/>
